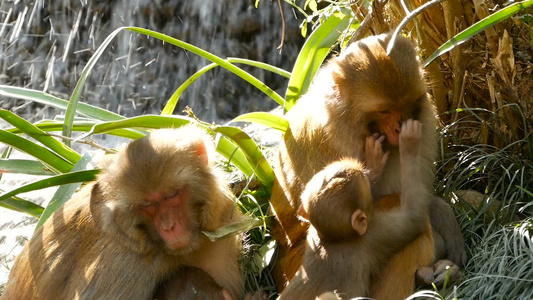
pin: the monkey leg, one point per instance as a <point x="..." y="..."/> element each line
<point x="397" y="279"/>
<point x="290" y="233"/>
<point x="289" y="259"/>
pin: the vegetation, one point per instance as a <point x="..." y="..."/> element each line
<point x="480" y="85"/>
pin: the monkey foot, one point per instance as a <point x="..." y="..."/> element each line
<point x="437" y="275"/>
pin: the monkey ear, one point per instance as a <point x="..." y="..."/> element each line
<point x="201" y="152"/>
<point x="359" y="222"/>
<point x="302" y="213"/>
<point x="338" y="74"/>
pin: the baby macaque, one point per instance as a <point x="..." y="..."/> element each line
<point x="348" y="241"/>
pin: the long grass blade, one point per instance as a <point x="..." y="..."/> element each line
<point x="41" y="136"/>
<point x="53" y="101"/>
<point x="252" y="152"/>
<point x="23" y="166"/>
<point x="313" y="53"/>
<point x="80" y="176"/>
<point x="21" y="205"/>
<point x="264" y="118"/>
<point x="64" y="192"/>
<point x="478" y="27"/>
<point x="49" y="158"/>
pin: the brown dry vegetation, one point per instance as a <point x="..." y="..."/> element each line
<point x="491" y="71"/>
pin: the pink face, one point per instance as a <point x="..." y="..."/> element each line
<point x="168" y="212"/>
<point x="389" y="122"/>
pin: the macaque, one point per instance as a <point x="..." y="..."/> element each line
<point x="362" y="93"/>
<point x="349" y="241"/>
<point x="138" y="223"/>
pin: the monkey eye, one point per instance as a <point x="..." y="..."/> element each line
<point x="384" y="112"/>
<point x="171" y="194"/>
<point x="145" y="204"/>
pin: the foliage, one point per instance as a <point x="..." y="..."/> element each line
<point x="69" y="169"/>
<point x="501" y="173"/>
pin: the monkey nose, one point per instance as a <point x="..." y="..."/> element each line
<point x="167" y="226"/>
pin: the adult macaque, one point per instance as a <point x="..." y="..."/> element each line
<point x="137" y="224"/>
<point x="362" y="92"/>
<point x="349" y="241"/>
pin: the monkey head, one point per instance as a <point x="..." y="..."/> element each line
<point x="378" y="89"/>
<point x="160" y="186"/>
<point x="337" y="201"/>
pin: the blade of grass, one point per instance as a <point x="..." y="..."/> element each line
<point x="478" y="27"/>
<point x="313" y="53"/>
<point x="235" y="228"/>
<point x="252" y="152"/>
<point x="234" y="155"/>
<point x="173" y="101"/>
<point x="21" y="205"/>
<point x="64" y="192"/>
<point x="47" y="99"/>
<point x="41" y="136"/>
<point x="146" y="121"/>
<point x="49" y="158"/>
<point x="22" y="166"/>
<point x="264" y="118"/>
<point x="209" y="56"/>
<point x="79" y="176"/>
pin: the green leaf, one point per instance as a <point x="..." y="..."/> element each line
<point x="23" y="166"/>
<point x="21" y="205"/>
<point x="46" y="156"/>
<point x="264" y="118"/>
<point x="312" y="5"/>
<point x="263" y="257"/>
<point x="72" y="177"/>
<point x="53" y="101"/>
<point x="234" y="155"/>
<point x="478" y="27"/>
<point x="303" y="30"/>
<point x="313" y="53"/>
<point x="253" y="154"/>
<point x="49" y="125"/>
<point x="146" y="121"/>
<point x="260" y="65"/>
<point x="64" y="192"/>
<point x="173" y="101"/>
<point x="234" y="228"/>
<point x="209" y="56"/>
<point x="41" y="136"/>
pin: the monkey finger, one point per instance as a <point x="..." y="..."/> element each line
<point x="381" y="139"/>
<point x="226" y="295"/>
<point x="375" y="135"/>
<point x="384" y="158"/>
<point x="424" y="276"/>
<point x="444" y="269"/>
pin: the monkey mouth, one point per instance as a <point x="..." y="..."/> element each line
<point x="180" y="242"/>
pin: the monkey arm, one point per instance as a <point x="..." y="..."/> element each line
<point x="446" y="226"/>
<point x="398" y="227"/>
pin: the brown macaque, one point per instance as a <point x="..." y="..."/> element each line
<point x="133" y="227"/>
<point x="362" y="93"/>
<point x="349" y="241"/>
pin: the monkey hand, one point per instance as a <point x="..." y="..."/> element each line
<point x="443" y="270"/>
<point x="410" y="137"/>
<point x="375" y="159"/>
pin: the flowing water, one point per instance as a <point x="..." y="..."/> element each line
<point x="44" y="45"/>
